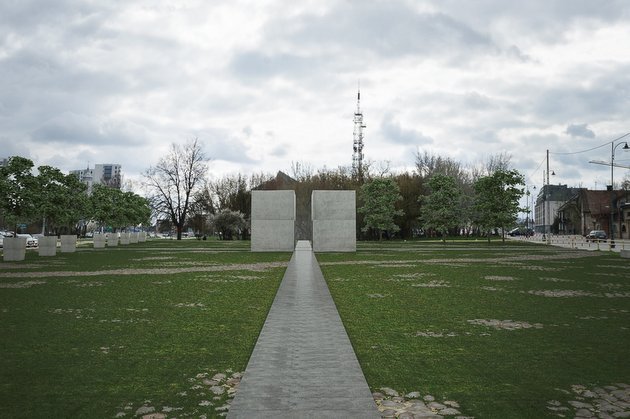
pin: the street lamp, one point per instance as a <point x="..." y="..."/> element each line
<point x="545" y="190"/>
<point x="612" y="186"/>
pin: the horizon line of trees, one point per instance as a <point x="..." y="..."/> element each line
<point x="441" y="197"/>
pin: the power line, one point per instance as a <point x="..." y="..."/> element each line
<point x="536" y="169"/>
<point x="591" y="149"/>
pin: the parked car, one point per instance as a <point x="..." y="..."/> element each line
<point x="1" y="240"/>
<point x="519" y="231"/>
<point x="596" y="235"/>
<point x="30" y="240"/>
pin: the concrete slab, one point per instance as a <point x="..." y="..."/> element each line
<point x="48" y="246"/>
<point x="273" y="205"/>
<point x="272" y="235"/>
<point x="273" y="221"/>
<point x="303" y="364"/>
<point x="333" y="205"/>
<point x="334" y="221"/>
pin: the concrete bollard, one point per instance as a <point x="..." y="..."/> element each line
<point x="142" y="237"/>
<point x="14" y="249"/>
<point x="68" y="243"/>
<point x="48" y="246"/>
<point x="99" y="241"/>
<point x="133" y="238"/>
<point x="124" y="238"/>
<point x="112" y="240"/>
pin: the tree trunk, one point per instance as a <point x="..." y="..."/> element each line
<point x="179" y="231"/>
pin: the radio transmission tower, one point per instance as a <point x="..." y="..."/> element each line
<point x="357" y="145"/>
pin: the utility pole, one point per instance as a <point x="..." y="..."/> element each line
<point x="357" y="145"/>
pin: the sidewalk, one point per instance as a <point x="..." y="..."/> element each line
<point x="303" y="365"/>
<point x="576" y="242"/>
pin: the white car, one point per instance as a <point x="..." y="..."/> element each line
<point x="30" y="240"/>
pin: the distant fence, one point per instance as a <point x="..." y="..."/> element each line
<point x="578" y="242"/>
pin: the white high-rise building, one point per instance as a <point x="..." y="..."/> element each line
<point x="102" y="174"/>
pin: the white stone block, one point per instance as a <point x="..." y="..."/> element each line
<point x="625" y="254"/>
<point x="334" y="221"/>
<point x="112" y="239"/>
<point x="68" y="243"/>
<point x="333" y="205"/>
<point x="273" y="235"/>
<point x="142" y="237"/>
<point x="14" y="249"/>
<point x="47" y="246"/>
<point x="273" y="221"/>
<point x="273" y="205"/>
<point x="134" y="237"/>
<point x="124" y="238"/>
<point x="99" y="241"/>
<point x="334" y="236"/>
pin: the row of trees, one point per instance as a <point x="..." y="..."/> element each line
<point x="61" y="202"/>
<point x="440" y="197"/>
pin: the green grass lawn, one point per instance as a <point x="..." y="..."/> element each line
<point x="107" y="332"/>
<point x="417" y="315"/>
<point x="121" y="331"/>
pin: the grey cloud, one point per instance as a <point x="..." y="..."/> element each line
<point x="580" y="130"/>
<point x="256" y="64"/>
<point x="390" y="28"/>
<point x="280" y="150"/>
<point x="541" y="19"/>
<point x="476" y="100"/>
<point x="393" y="132"/>
<point x="220" y="145"/>
<point x="347" y="32"/>
<point x="71" y="128"/>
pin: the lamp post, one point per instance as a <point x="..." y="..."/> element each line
<point x="612" y="186"/>
<point x="533" y="208"/>
<point x="545" y="191"/>
<point x="527" y="218"/>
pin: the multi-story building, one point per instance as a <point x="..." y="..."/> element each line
<point x="549" y="200"/>
<point x="102" y="174"/>
<point x="591" y="210"/>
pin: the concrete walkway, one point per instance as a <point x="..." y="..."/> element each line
<point x="303" y="365"/>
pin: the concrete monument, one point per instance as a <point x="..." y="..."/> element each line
<point x="334" y="221"/>
<point x="273" y="221"/>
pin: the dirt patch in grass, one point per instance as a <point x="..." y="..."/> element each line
<point x="211" y="396"/>
<point x="561" y="293"/>
<point x="254" y="267"/>
<point x="505" y="324"/>
<point x="432" y="284"/>
<point x="499" y="278"/>
<point x="21" y="284"/>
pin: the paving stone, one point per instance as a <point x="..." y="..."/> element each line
<point x="581" y="405"/>
<point x="449" y="411"/>
<point x="436" y="406"/>
<point x="389" y="392"/>
<point x="584" y="413"/>
<point x="389" y="413"/>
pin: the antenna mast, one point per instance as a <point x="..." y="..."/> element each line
<point x="357" y="145"/>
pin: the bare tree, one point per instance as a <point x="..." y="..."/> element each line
<point x="171" y="183"/>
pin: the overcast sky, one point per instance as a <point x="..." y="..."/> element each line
<point x="266" y="83"/>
